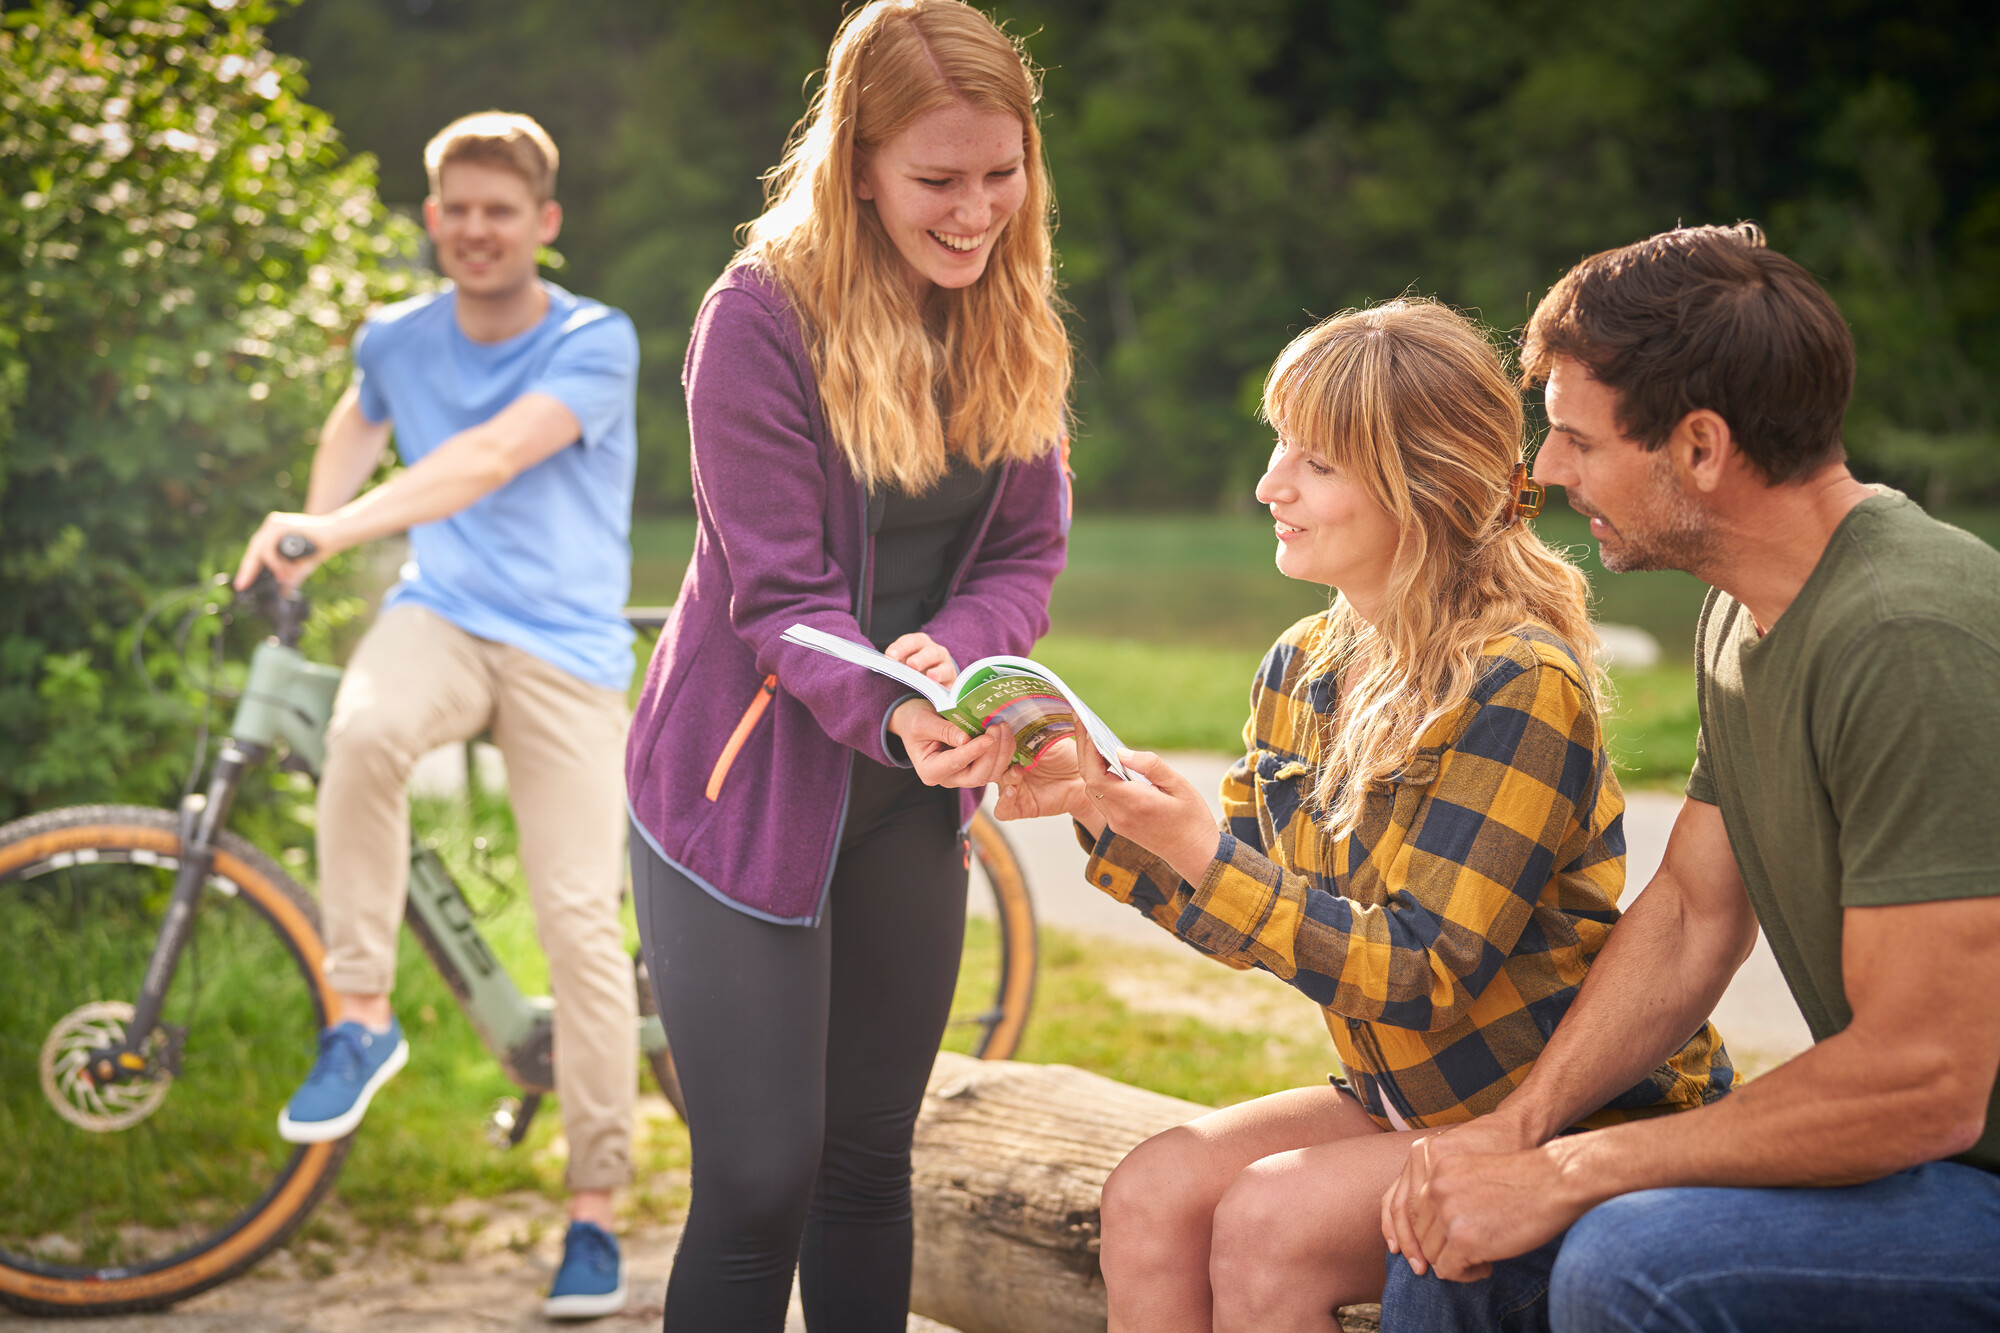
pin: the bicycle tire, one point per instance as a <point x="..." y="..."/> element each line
<point x="661" y="1062"/>
<point x="200" y="1187"/>
<point x="1005" y="1016"/>
<point x="1001" y="1019"/>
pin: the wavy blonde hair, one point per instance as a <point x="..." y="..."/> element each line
<point x="988" y="382"/>
<point x="1410" y="399"/>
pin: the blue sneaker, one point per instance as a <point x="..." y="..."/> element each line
<point x="353" y="1064"/>
<point x="591" y="1281"/>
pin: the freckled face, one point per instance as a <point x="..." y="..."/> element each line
<point x="944" y="189"/>
<point x="1330" y="529"/>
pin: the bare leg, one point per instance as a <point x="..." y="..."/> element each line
<point x="1159" y="1205"/>
<point x="593" y="1206"/>
<point x="1299" y="1234"/>
<point x="368" y="1010"/>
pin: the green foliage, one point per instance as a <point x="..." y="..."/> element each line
<point x="1160" y="696"/>
<point x="183" y="248"/>
<point x="1652" y="725"/>
<point x="1229" y="170"/>
<point x="665" y="116"/>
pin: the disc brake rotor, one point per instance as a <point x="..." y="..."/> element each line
<point x="66" y="1080"/>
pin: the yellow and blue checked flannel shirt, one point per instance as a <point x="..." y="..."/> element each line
<point x="1453" y="927"/>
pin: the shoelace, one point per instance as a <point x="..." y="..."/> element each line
<point x="340" y="1054"/>
<point x="593" y="1246"/>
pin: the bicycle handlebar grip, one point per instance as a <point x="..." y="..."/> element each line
<point x="296" y="546"/>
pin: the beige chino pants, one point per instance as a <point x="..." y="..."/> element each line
<point x="416" y="682"/>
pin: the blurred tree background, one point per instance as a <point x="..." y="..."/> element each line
<point x="1228" y="170"/>
<point x="191" y="225"/>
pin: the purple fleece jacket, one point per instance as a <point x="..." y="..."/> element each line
<point x="783" y="538"/>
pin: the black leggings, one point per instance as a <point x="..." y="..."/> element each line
<point x="803" y="1054"/>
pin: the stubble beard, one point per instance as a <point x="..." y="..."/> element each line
<point x="1675" y="532"/>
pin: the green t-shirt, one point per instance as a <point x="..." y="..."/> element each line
<point x="1854" y="750"/>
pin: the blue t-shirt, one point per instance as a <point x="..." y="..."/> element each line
<point x="545" y="562"/>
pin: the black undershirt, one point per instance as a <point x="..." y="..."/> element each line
<point x="917" y="545"/>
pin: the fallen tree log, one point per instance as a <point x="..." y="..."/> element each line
<point x="1009" y="1164"/>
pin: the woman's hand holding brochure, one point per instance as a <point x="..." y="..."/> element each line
<point x="1160" y="810"/>
<point x="1026" y="698"/>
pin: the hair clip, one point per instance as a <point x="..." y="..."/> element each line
<point x="1525" y="496"/>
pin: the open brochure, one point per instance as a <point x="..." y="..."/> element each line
<point x="1026" y="695"/>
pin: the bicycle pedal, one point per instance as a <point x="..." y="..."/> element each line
<point x="507" y="1123"/>
<point x="500" y="1122"/>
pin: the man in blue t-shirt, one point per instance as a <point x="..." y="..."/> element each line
<point x="512" y="406"/>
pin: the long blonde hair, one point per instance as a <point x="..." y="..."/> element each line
<point x="1410" y="400"/>
<point x="991" y="384"/>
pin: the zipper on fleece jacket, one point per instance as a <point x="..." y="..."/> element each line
<point x="744" y="727"/>
<point x="864" y="608"/>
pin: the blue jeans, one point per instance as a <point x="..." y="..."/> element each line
<point x="1917" y="1250"/>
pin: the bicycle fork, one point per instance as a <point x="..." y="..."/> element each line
<point x="283" y="696"/>
<point x="140" y="1053"/>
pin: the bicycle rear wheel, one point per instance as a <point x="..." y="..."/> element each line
<point x="996" y="976"/>
<point x="138" y="1195"/>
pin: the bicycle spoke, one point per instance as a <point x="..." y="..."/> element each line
<point x="209" y="1149"/>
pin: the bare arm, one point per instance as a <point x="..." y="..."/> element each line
<point x="1653" y="985"/>
<point x="1906" y="1082"/>
<point x="350" y="445"/>
<point x="469" y="465"/>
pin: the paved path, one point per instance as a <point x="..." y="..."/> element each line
<point x="1758" y="1019"/>
<point x="1757" y="1016"/>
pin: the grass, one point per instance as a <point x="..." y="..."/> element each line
<point x="1651" y="727"/>
<point x="426" y="1134"/>
<point x="1160" y="620"/>
<point x="1141" y="1035"/>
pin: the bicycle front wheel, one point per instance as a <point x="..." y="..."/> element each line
<point x="136" y="1195"/>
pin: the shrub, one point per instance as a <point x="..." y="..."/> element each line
<point x="183" y="250"/>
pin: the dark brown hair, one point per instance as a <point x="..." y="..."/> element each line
<point x="1706" y="317"/>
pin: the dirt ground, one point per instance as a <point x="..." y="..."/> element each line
<point x="478" y="1266"/>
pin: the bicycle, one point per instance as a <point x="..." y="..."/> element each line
<point x="166" y="990"/>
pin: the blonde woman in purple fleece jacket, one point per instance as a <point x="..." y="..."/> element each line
<point x="875" y="390"/>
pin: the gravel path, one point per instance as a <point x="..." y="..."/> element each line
<point x="481" y="1266"/>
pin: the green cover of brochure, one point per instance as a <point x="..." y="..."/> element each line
<point x="1025" y="695"/>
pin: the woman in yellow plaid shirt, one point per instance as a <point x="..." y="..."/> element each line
<point x="1423" y="835"/>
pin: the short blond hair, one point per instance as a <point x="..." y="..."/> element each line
<point x="503" y="139"/>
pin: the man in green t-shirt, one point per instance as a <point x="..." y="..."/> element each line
<point x="1848" y="671"/>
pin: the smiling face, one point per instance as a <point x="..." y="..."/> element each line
<point x="943" y="190"/>
<point x="487" y="226"/>
<point x="1641" y="515"/>
<point x="1330" y="529"/>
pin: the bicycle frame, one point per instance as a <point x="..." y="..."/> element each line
<point x="289" y="698"/>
